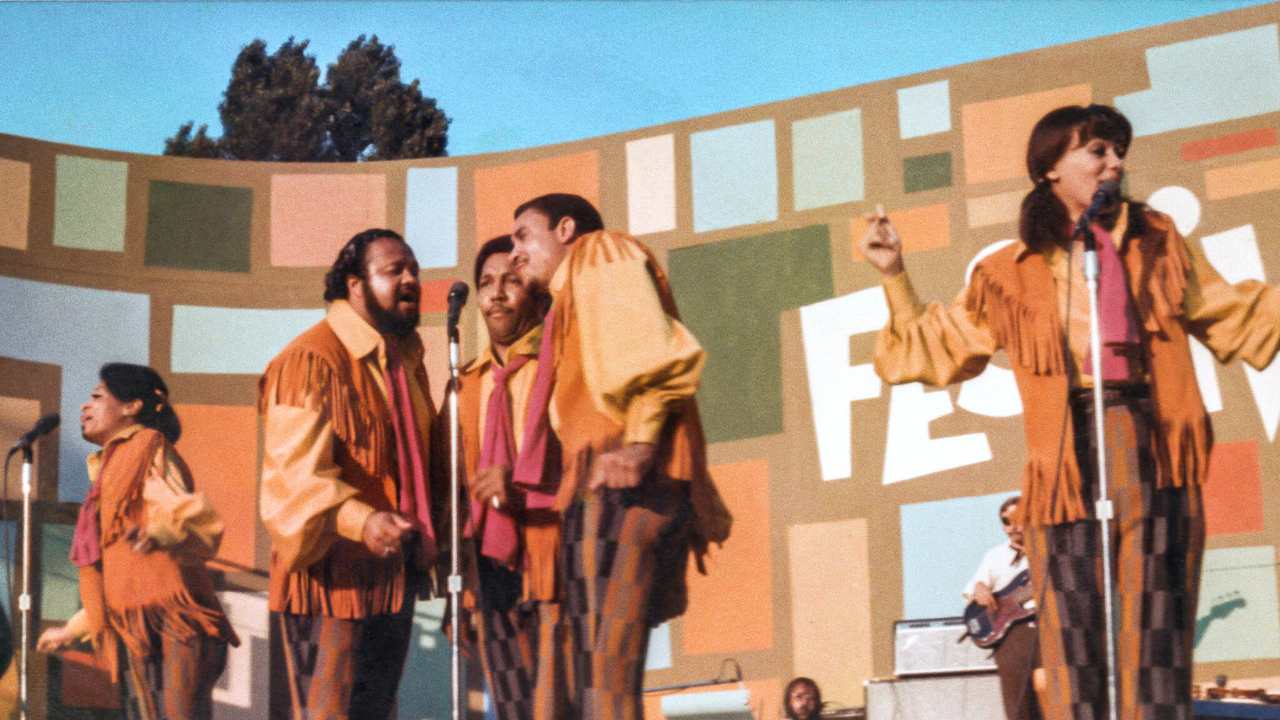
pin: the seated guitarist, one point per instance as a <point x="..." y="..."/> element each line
<point x="1018" y="654"/>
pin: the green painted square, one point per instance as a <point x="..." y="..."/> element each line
<point x="198" y="227"/>
<point x="89" y="203"/>
<point x="59" y="579"/>
<point x="730" y="295"/>
<point x="926" y="172"/>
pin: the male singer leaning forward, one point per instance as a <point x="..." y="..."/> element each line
<point x="346" y="491"/>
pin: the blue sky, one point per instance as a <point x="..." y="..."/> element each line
<point x="125" y="75"/>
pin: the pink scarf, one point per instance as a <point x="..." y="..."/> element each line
<point x="86" y="543"/>
<point x="415" y="503"/>
<point x="1115" y="312"/>
<point x="498" y="529"/>
<point x="531" y="464"/>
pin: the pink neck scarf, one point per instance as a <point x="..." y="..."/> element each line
<point x="415" y="503"/>
<point x="1116" y="314"/>
<point x="86" y="543"/>
<point x="499" y="540"/>
<point x="531" y="464"/>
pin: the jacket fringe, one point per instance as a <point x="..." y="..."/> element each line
<point x="300" y="376"/>
<point x="1024" y="334"/>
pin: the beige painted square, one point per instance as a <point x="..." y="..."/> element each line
<point x="15" y="203"/>
<point x="996" y="131"/>
<point x="831" y="606"/>
<point x="995" y="209"/>
<point x="313" y="216"/>
<point x="17" y="415"/>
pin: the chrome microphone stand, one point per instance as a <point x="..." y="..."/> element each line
<point x="24" y="599"/>
<point x="455" y="541"/>
<point x="1102" y="507"/>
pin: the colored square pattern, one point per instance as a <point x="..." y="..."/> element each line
<point x="59" y="579"/>
<point x="198" y="227"/>
<point x="826" y="156"/>
<point x="1237" y="617"/>
<point x="220" y="444"/>
<point x="431" y="215"/>
<point x="924" y="109"/>
<point x="1235" y="180"/>
<point x="735" y="176"/>
<point x="730" y="295"/>
<point x="1233" y="492"/>
<point x="995" y="131"/>
<point x="1207" y="80"/>
<point x="232" y="340"/>
<point x="831" y="598"/>
<point x="926" y="172"/>
<point x="89" y="203"/>
<point x="921" y="228"/>
<point x="651" y="185"/>
<point x="717" y="620"/>
<point x="942" y="544"/>
<point x="17" y="416"/>
<point x="313" y="216"/>
<point x="15" y="203"/>
<point x="502" y="188"/>
<point x="1228" y="144"/>
<point x="994" y="209"/>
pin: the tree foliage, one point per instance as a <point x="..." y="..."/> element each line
<point x="274" y="108"/>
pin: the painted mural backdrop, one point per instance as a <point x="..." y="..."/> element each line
<point x="856" y="504"/>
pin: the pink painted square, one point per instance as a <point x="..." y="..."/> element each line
<point x="313" y="216"/>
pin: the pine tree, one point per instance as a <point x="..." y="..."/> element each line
<point x="275" y="109"/>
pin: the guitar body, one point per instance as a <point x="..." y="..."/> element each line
<point x="986" y="627"/>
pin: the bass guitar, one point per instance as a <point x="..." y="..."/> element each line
<point x="988" y="627"/>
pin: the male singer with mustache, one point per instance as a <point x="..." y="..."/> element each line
<point x="346" y="492"/>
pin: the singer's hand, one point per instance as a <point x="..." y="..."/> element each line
<point x="982" y="595"/>
<point x="54" y="639"/>
<point x="385" y="532"/>
<point x="625" y="467"/>
<point x="490" y="485"/>
<point x="142" y="542"/>
<point x="881" y="246"/>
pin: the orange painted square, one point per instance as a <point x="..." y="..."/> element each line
<point x="1226" y="182"/>
<point x="501" y="189"/>
<point x="313" y="216"/>
<point x="1228" y="144"/>
<point x="921" y="228"/>
<point x="1233" y="492"/>
<point x="17" y="415"/>
<point x="731" y="607"/>
<point x="435" y="296"/>
<point x="220" y="444"/>
<point x="15" y="201"/>
<point x="996" y="131"/>
<point x="435" y="338"/>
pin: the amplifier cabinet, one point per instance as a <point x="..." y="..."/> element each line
<point x="971" y="696"/>
<point x="931" y="646"/>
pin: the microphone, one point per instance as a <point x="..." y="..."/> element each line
<point x="457" y="298"/>
<point x="43" y="426"/>
<point x="1106" y="196"/>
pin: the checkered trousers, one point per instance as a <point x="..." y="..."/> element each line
<point x="613" y="544"/>
<point x="1157" y="542"/>
<point x="345" y="669"/>
<point x="175" y="683"/>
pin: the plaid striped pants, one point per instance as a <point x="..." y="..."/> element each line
<point x="1157" y="543"/>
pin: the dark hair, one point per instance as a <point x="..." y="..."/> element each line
<point x="1008" y="503"/>
<point x="492" y="246"/>
<point x="561" y="205"/>
<point x="138" y="382"/>
<point x="1043" y="218"/>
<point x="786" y="694"/>
<point x="350" y="261"/>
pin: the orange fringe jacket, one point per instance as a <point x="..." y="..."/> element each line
<point x="1010" y="303"/>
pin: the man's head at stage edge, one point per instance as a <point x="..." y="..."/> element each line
<point x="545" y="227"/>
<point x="377" y="273"/>
<point x="507" y="304"/>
